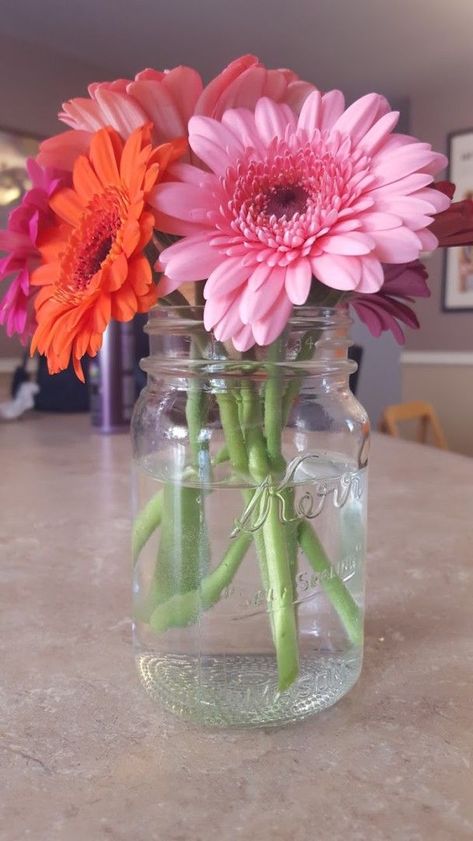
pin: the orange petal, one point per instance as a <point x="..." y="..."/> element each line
<point x="146" y="226"/>
<point x="169" y="152"/>
<point x="147" y="301"/>
<point x="124" y="304"/>
<point x="128" y="159"/>
<point x="114" y="273"/>
<point x="140" y="275"/>
<point x="45" y="275"/>
<point x="78" y="370"/>
<point x="151" y="177"/>
<point x="102" y="314"/>
<point x="67" y="204"/>
<point x="85" y="180"/>
<point x="102" y="154"/>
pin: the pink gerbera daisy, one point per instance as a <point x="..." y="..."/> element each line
<point x="330" y="194"/>
<point x="19" y="241"/>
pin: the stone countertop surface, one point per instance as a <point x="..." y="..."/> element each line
<point x="86" y="755"/>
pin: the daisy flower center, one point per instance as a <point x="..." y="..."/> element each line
<point x="295" y="193"/>
<point x="91" y="244"/>
<point x="286" y="200"/>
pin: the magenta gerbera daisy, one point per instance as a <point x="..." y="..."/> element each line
<point x="330" y="194"/>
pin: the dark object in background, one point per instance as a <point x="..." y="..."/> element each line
<point x="112" y="380"/>
<point x="355" y="352"/>
<point x="61" y="392"/>
<point x="20" y="374"/>
<point x="141" y="350"/>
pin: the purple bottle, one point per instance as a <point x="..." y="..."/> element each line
<point x="111" y="377"/>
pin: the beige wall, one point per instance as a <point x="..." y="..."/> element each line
<point x="432" y="119"/>
<point x="449" y="387"/>
<point x="35" y="82"/>
<point x="446" y="384"/>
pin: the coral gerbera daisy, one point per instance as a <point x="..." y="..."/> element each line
<point x="93" y="265"/>
<point x="331" y="194"/>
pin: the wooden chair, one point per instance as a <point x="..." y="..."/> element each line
<point x="417" y="410"/>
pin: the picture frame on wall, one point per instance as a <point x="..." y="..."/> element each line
<point x="458" y="262"/>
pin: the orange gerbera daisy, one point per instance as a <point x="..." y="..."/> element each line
<point x="93" y="267"/>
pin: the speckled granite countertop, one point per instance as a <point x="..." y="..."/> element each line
<point x="86" y="756"/>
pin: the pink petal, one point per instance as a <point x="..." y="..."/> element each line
<point x="191" y="175"/>
<point x="336" y="271"/>
<point x="298" y="281"/>
<point x="62" y="150"/>
<point x="404" y="186"/>
<point x="187" y="202"/>
<point x="254" y="304"/>
<point x="229" y="325"/>
<point x="120" y="111"/>
<point x="271" y="120"/>
<point x="372" y="275"/>
<point x="216" y="133"/>
<point x="375" y="137"/>
<point x="158" y="105"/>
<point x="271" y="326"/>
<point x="259" y="276"/>
<point x="244" y="92"/>
<point x="310" y="113"/>
<point x="241" y="122"/>
<point x="216" y="90"/>
<point x="171" y="225"/>
<point x="359" y="117"/>
<point x="243" y="339"/>
<point x="185" y="86"/>
<point x="190" y="259"/>
<point x="378" y="221"/>
<point x="82" y="114"/>
<point x="400" y="163"/>
<point x="166" y="285"/>
<point x="212" y="153"/>
<point x="350" y="244"/>
<point x="297" y="93"/>
<point x="228" y="276"/>
<point x="439" y="201"/>
<point x="428" y="240"/>
<point x="400" y="245"/>
<point x="216" y="308"/>
<point x="333" y="105"/>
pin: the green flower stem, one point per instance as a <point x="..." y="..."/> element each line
<point x="339" y="596"/>
<point x="273" y="408"/>
<point x="147" y="521"/>
<point x="196" y="412"/>
<point x="239" y="457"/>
<point x="282" y="597"/>
<point x="274" y="422"/>
<point x="185" y="608"/>
<point x="184" y="549"/>
<point x="233" y="433"/>
<point x="293" y="388"/>
<point x="222" y="455"/>
<point x="277" y="565"/>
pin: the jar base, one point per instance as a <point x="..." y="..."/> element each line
<point x="241" y="690"/>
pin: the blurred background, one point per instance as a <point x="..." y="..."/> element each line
<point x="417" y="52"/>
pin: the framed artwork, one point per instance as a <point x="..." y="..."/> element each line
<point x="15" y="148"/>
<point x="458" y="262"/>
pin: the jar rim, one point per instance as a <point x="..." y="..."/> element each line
<point x="169" y="316"/>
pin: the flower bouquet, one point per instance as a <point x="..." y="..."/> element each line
<point x="248" y="217"/>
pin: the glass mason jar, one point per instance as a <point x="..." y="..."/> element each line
<point x="250" y="514"/>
